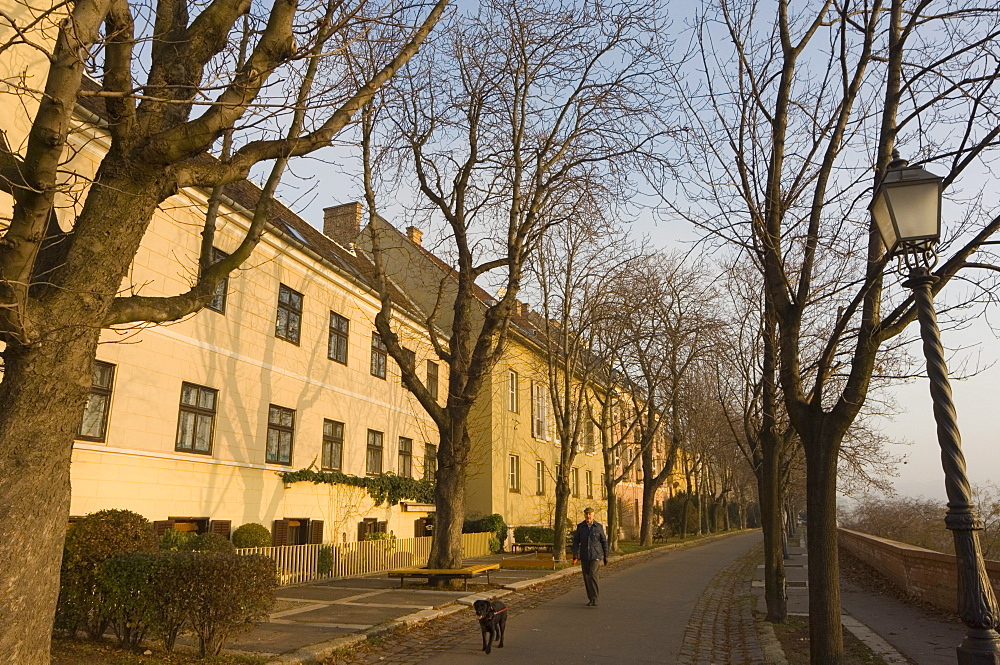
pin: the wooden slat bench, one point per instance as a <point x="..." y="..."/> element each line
<point x="448" y="573"/>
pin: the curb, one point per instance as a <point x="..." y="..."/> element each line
<point x="317" y="653"/>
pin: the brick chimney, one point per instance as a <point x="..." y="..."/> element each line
<point x="415" y="235"/>
<point x="342" y="222"/>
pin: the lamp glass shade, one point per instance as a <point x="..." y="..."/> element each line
<point x="907" y="209"/>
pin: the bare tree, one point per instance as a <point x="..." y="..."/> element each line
<point x="162" y="94"/>
<point x="509" y="116"/>
<point x="573" y="269"/>
<point x="794" y="110"/>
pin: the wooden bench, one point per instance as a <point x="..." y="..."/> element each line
<point x="447" y="573"/>
<point x="532" y="547"/>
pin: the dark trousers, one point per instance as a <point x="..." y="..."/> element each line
<point x="590" y="569"/>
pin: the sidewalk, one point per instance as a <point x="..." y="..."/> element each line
<point x="900" y="632"/>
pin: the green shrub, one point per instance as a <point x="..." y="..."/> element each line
<point x="89" y="543"/>
<point x="673" y="513"/>
<point x="324" y="560"/>
<point x="212" y="542"/>
<point x="173" y="587"/>
<point x="176" y="540"/>
<point x="494" y="524"/>
<point x="234" y="592"/>
<point x="127" y="591"/>
<point x="534" y="534"/>
<point x="252" y="535"/>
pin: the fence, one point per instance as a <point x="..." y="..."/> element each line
<point x="921" y="573"/>
<point x="298" y="564"/>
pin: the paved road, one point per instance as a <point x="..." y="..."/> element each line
<point x="642" y="616"/>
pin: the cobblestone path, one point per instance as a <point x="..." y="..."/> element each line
<point x="722" y="628"/>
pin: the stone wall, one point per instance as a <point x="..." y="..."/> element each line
<point x="921" y="573"/>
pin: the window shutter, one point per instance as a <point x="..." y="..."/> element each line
<point x="160" y="527"/>
<point x="279" y="533"/>
<point x="361" y="530"/>
<point x="315" y="532"/>
<point x="221" y="527"/>
<point x="382" y="527"/>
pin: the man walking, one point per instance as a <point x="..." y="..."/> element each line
<point x="590" y="546"/>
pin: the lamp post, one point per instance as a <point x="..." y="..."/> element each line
<point x="907" y="212"/>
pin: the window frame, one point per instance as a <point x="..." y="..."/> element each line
<point x="280" y="429"/>
<point x="588" y="477"/>
<point x="404" y="458"/>
<point x="342" y="337"/>
<point x="380" y="356"/>
<point x="369" y="451"/>
<point x="539" y="477"/>
<point x="290" y="311"/>
<point x="604" y="486"/>
<point x="514" y="473"/>
<point x="430" y="461"/>
<point x="197" y="410"/>
<point x="574" y="481"/>
<point x="222" y="290"/>
<point x="331" y="440"/>
<point x="107" y="392"/>
<point x="539" y="412"/>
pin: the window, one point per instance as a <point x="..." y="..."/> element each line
<point x="373" y="457"/>
<point x="405" y="466"/>
<point x="94" y="426"/>
<point x="539" y="477"/>
<point x="539" y="412"/>
<point x="589" y="476"/>
<point x="432" y="378"/>
<point x="430" y="461"/>
<point x="590" y="441"/>
<point x="289" y="314"/>
<point x="218" y="302"/>
<point x="514" y="483"/>
<point x="604" y="487"/>
<point x="196" y="420"/>
<point x="574" y="481"/>
<point x="409" y="358"/>
<point x="280" y="429"/>
<point x="512" y="391"/>
<point x="333" y="444"/>
<point x="337" y="346"/>
<point x="378" y="356"/>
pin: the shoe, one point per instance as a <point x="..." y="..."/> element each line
<point x="592" y="603"/>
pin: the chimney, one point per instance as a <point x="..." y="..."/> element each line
<point x="342" y="222"/>
<point x="415" y="235"/>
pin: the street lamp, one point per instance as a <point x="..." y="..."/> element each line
<point x="907" y="212"/>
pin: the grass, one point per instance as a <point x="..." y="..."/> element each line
<point x="74" y="652"/>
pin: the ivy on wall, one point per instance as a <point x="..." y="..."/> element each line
<point x="383" y="488"/>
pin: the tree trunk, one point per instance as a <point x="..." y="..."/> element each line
<point x="42" y="396"/>
<point x="826" y="645"/>
<point x="449" y="496"/>
<point x="769" y="488"/>
<point x="612" y="503"/>
<point x="646" y="519"/>
<point x="561" y="509"/>
<point x="684" y="516"/>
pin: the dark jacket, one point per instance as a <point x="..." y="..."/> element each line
<point x="589" y="542"/>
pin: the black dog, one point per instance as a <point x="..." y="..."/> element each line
<point x="492" y="616"/>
